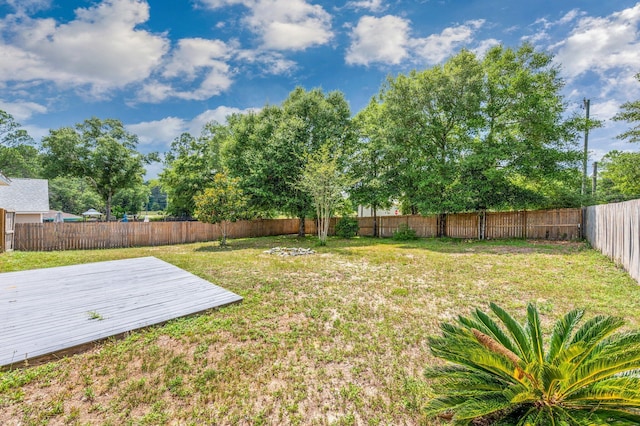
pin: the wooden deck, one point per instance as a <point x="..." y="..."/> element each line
<point x="51" y="311"/>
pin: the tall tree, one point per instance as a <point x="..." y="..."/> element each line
<point x="100" y="151"/>
<point x="369" y="166"/>
<point x="631" y="114"/>
<point x="431" y="116"/>
<point x="475" y="135"/>
<point x="619" y="176"/>
<point x="524" y="139"/>
<point x="73" y="195"/>
<point x="190" y="166"/>
<point x="268" y="150"/>
<point x="18" y="156"/>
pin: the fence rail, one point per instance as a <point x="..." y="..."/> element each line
<point x="614" y="229"/>
<point x="564" y="224"/>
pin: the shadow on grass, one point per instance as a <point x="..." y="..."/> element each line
<point x="441" y="245"/>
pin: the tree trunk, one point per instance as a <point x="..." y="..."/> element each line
<point x="301" y="230"/>
<point x="109" y="207"/>
<point x="223" y="226"/>
<point x="374" y="210"/>
<point x="442" y="225"/>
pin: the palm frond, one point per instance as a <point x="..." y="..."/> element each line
<point x="517" y="332"/>
<point x="535" y="333"/>
<point x="562" y="333"/>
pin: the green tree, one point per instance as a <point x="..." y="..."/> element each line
<point x="430" y="117"/>
<point x="263" y="163"/>
<point x="73" y="195"/>
<point x="131" y="200"/>
<point x="190" y="166"/>
<point x="100" y="151"/>
<point x="501" y="372"/>
<point x="619" y="176"/>
<point x="369" y="166"/>
<point x="524" y="141"/>
<point x="268" y="150"/>
<point x="631" y="114"/>
<point x="18" y="157"/>
<point x="475" y="135"/>
<point x="222" y="202"/>
<point x="157" y="197"/>
<point x="323" y="179"/>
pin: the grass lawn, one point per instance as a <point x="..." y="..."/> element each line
<point x="333" y="338"/>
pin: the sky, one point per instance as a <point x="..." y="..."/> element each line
<point x="164" y="67"/>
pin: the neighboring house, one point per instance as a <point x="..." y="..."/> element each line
<point x="367" y="211"/>
<point x="4" y="181"/>
<point x="29" y="198"/>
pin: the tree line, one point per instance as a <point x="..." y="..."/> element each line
<point x="470" y="134"/>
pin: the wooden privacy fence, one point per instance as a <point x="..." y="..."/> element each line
<point x="564" y="224"/>
<point x="614" y="229"/>
<point x="7" y="223"/>
<point x="559" y="224"/>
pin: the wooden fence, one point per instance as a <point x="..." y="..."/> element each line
<point x="614" y="229"/>
<point x="99" y="235"/>
<point x="7" y="223"/>
<point x="564" y="224"/>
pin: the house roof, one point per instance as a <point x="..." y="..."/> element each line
<point x="25" y="196"/>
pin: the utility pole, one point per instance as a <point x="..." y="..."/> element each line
<point x="585" y="158"/>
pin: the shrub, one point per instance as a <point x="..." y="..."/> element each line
<point x="347" y="227"/>
<point x="404" y="233"/>
<point x="501" y="373"/>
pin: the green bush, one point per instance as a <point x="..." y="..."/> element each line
<point x="501" y="372"/>
<point x="347" y="227"/>
<point x="404" y="233"/>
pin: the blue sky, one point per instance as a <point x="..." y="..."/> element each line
<point x="164" y="67"/>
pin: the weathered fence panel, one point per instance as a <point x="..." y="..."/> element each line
<point x="550" y="224"/>
<point x="614" y="229"/>
<point x="7" y="223"/>
<point x="463" y="225"/>
<point x="501" y="225"/>
<point x="559" y="224"/>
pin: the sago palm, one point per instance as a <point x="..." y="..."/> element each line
<point x="500" y="372"/>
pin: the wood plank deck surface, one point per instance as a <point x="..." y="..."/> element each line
<point x="50" y="311"/>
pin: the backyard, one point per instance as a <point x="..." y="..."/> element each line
<point x="336" y="337"/>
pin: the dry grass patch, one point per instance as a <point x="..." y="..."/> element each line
<point x="333" y="338"/>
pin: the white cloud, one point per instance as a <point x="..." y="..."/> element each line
<point x="197" y="58"/>
<point x="284" y="24"/>
<point x="382" y="39"/>
<point x="22" y="6"/>
<point x="481" y="49"/>
<point x="370" y="5"/>
<point x="159" y="131"/>
<point x="22" y="110"/>
<point x="271" y="62"/>
<point x="437" y="47"/>
<point x="601" y="44"/>
<point x="158" y="134"/>
<point x="387" y="40"/>
<point x="569" y="17"/>
<point x="219" y="115"/>
<point x="101" y="48"/>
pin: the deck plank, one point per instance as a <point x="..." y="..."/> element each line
<point x="48" y="311"/>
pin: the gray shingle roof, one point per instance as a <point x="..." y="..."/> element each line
<point x="25" y="195"/>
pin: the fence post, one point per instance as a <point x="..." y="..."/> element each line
<point x="3" y="230"/>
